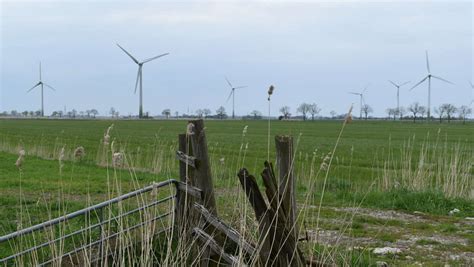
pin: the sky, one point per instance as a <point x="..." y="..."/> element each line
<point x="311" y="51"/>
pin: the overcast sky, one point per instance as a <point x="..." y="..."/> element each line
<point x="311" y="51"/>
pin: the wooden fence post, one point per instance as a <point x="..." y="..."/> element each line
<point x="202" y="173"/>
<point x="286" y="190"/>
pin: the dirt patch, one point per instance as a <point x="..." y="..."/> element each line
<point x="384" y="214"/>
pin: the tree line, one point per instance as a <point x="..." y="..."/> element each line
<point x="304" y="111"/>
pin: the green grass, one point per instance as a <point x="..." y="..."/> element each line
<point x="357" y="170"/>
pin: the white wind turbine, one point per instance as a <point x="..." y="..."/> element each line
<point x="140" y="76"/>
<point x="398" y="93"/>
<point x="361" y="95"/>
<point x="42" y="84"/>
<point x="429" y="76"/>
<point x="232" y="93"/>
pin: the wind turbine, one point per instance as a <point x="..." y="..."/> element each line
<point x="42" y="84"/>
<point x="361" y="95"/>
<point x="398" y="92"/>
<point x="232" y="93"/>
<point x="429" y="76"/>
<point x="140" y="76"/>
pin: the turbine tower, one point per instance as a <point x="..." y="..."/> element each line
<point x="232" y="93"/>
<point x="429" y="76"/>
<point x="398" y="93"/>
<point x="361" y="95"/>
<point x="140" y="76"/>
<point x="42" y="84"/>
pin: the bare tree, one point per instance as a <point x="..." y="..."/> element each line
<point x="199" y="113"/>
<point x="112" y="112"/>
<point x="415" y="109"/>
<point x="206" y="112"/>
<point x="401" y="111"/>
<point x="391" y="112"/>
<point x="463" y="112"/>
<point x="333" y="114"/>
<point x="166" y="113"/>
<point x="422" y="111"/>
<point x="94" y="112"/>
<point x="256" y="114"/>
<point x="449" y="110"/>
<point x="285" y="111"/>
<point x="303" y="109"/>
<point x="314" y="110"/>
<point x="366" y="109"/>
<point x="221" y="114"/>
<point x="440" y="113"/>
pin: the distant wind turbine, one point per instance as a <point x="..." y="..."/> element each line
<point x="361" y="95"/>
<point x="429" y="76"/>
<point x="140" y="76"/>
<point x="41" y="83"/>
<point x="398" y="92"/>
<point x="232" y="93"/>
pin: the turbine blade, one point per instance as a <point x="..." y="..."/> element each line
<point x="138" y="77"/>
<point x="365" y="88"/>
<point x="353" y="93"/>
<point x="419" y="83"/>
<point x="228" y="82"/>
<point x="40" y="70"/>
<point x="238" y="87"/>
<point x="134" y="59"/>
<point x="231" y="91"/>
<point x="50" y="87"/>
<point x="427" y="62"/>
<point x="394" y="84"/>
<point x="404" y="83"/>
<point x="472" y="85"/>
<point x="153" y="58"/>
<point x="441" y="79"/>
<point x="34" y="87"/>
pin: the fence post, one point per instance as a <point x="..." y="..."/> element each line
<point x="202" y="173"/>
<point x="284" y="162"/>
<point x="183" y="200"/>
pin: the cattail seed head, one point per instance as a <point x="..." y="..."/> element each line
<point x="270" y="91"/>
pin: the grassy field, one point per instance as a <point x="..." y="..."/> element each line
<point x="377" y="164"/>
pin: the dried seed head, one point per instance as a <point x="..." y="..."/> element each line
<point x="222" y="160"/>
<point x="270" y="91"/>
<point x="244" y="131"/>
<point x="190" y="129"/>
<point x="61" y="154"/>
<point x="79" y="152"/>
<point x="348" y="118"/>
<point x="21" y="153"/>
<point x="107" y="135"/>
<point x="117" y="159"/>
<point x="19" y="162"/>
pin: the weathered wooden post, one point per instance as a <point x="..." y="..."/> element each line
<point x="202" y="174"/>
<point x="195" y="171"/>
<point x="286" y="188"/>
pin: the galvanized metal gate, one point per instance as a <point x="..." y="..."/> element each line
<point x="40" y="241"/>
